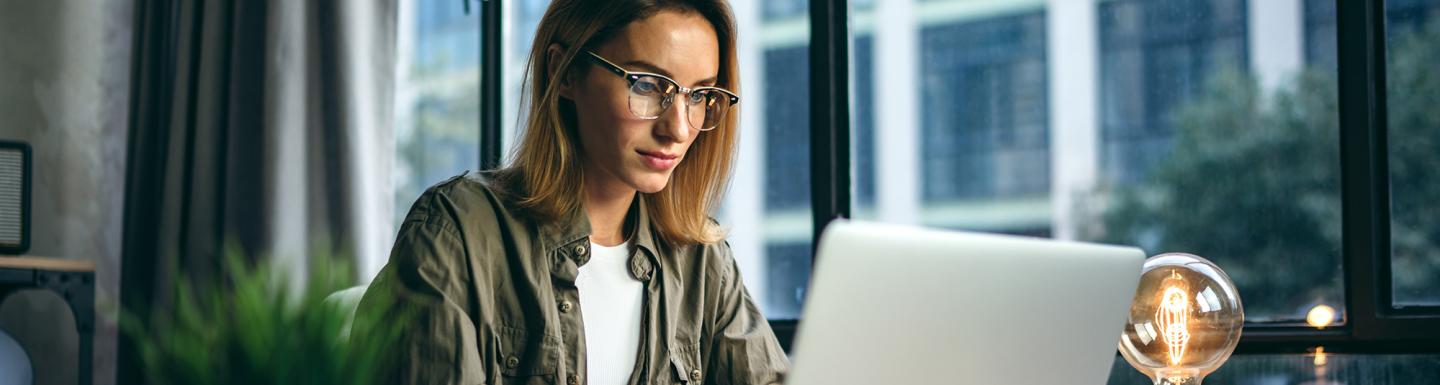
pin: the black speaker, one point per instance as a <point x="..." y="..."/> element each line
<point x="15" y="163"/>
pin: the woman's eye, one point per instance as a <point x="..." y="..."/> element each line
<point x="646" y="87"/>
<point x="698" y="96"/>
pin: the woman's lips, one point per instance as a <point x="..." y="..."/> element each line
<point x="659" y="161"/>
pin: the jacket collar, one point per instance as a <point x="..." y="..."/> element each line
<point x="567" y="242"/>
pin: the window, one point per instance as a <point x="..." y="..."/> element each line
<point x="784" y="121"/>
<point x="437" y="97"/>
<point x="1320" y="33"/>
<point x="984" y="111"/>
<point x="1411" y="33"/>
<point x="524" y="17"/>
<point x="1155" y="57"/>
<point x="1197" y="142"/>
<point x="1219" y="142"/>
<point x="962" y="91"/>
<point x="1413" y="90"/>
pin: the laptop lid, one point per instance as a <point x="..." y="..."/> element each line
<point x="893" y="304"/>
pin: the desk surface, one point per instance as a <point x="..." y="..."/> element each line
<point x="52" y="264"/>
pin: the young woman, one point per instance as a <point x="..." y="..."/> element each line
<point x="591" y="258"/>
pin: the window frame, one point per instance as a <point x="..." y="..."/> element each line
<point x="1372" y="323"/>
<point x="491" y="61"/>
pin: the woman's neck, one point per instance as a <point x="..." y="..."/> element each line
<point x="607" y="205"/>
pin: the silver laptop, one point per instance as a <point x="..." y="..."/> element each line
<point x="891" y="304"/>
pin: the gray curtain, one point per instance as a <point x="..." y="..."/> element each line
<point x="262" y="123"/>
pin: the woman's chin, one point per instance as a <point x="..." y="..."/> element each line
<point x="651" y="183"/>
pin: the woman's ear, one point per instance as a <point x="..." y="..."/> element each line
<point x="563" y="84"/>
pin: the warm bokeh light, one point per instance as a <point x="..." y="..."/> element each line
<point x="1320" y="316"/>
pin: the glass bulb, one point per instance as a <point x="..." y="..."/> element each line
<point x="1184" y="322"/>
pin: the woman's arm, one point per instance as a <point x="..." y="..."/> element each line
<point x="745" y="350"/>
<point x="418" y="295"/>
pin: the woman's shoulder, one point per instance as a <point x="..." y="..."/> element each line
<point x="469" y="195"/>
<point x="474" y="182"/>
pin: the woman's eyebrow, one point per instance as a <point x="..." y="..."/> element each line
<point x="646" y="66"/>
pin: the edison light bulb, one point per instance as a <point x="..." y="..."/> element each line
<point x="1184" y="322"/>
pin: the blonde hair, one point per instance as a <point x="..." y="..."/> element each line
<point x="546" y="165"/>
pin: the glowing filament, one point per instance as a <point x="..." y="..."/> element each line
<point x="1173" y="318"/>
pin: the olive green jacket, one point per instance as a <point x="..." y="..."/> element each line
<point x="492" y="299"/>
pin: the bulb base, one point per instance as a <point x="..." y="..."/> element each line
<point x="1177" y="381"/>
<point x="1177" y="377"/>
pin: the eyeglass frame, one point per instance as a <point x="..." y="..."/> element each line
<point x="632" y="76"/>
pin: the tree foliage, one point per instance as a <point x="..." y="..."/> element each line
<point x="1253" y="183"/>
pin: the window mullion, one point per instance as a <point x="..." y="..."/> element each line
<point x="490" y="63"/>
<point x="1364" y="187"/>
<point x="829" y="113"/>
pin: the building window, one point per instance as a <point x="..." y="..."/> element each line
<point x="1155" y="55"/>
<point x="984" y="115"/>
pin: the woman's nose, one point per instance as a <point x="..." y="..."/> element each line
<point x="673" y="124"/>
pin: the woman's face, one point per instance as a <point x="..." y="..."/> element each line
<point x="621" y="150"/>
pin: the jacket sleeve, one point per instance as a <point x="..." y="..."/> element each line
<point x="418" y="299"/>
<point x="745" y="350"/>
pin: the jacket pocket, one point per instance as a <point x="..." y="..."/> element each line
<point x="685" y="360"/>
<point x="527" y="358"/>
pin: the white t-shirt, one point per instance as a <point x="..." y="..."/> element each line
<point x="611" y="301"/>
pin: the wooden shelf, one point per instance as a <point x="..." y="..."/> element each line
<point x="52" y="264"/>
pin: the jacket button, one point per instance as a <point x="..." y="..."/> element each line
<point x="512" y="362"/>
<point x="566" y="306"/>
<point x="572" y="379"/>
<point x="695" y="375"/>
<point x="579" y="249"/>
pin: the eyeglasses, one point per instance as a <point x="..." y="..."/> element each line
<point x="652" y="94"/>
